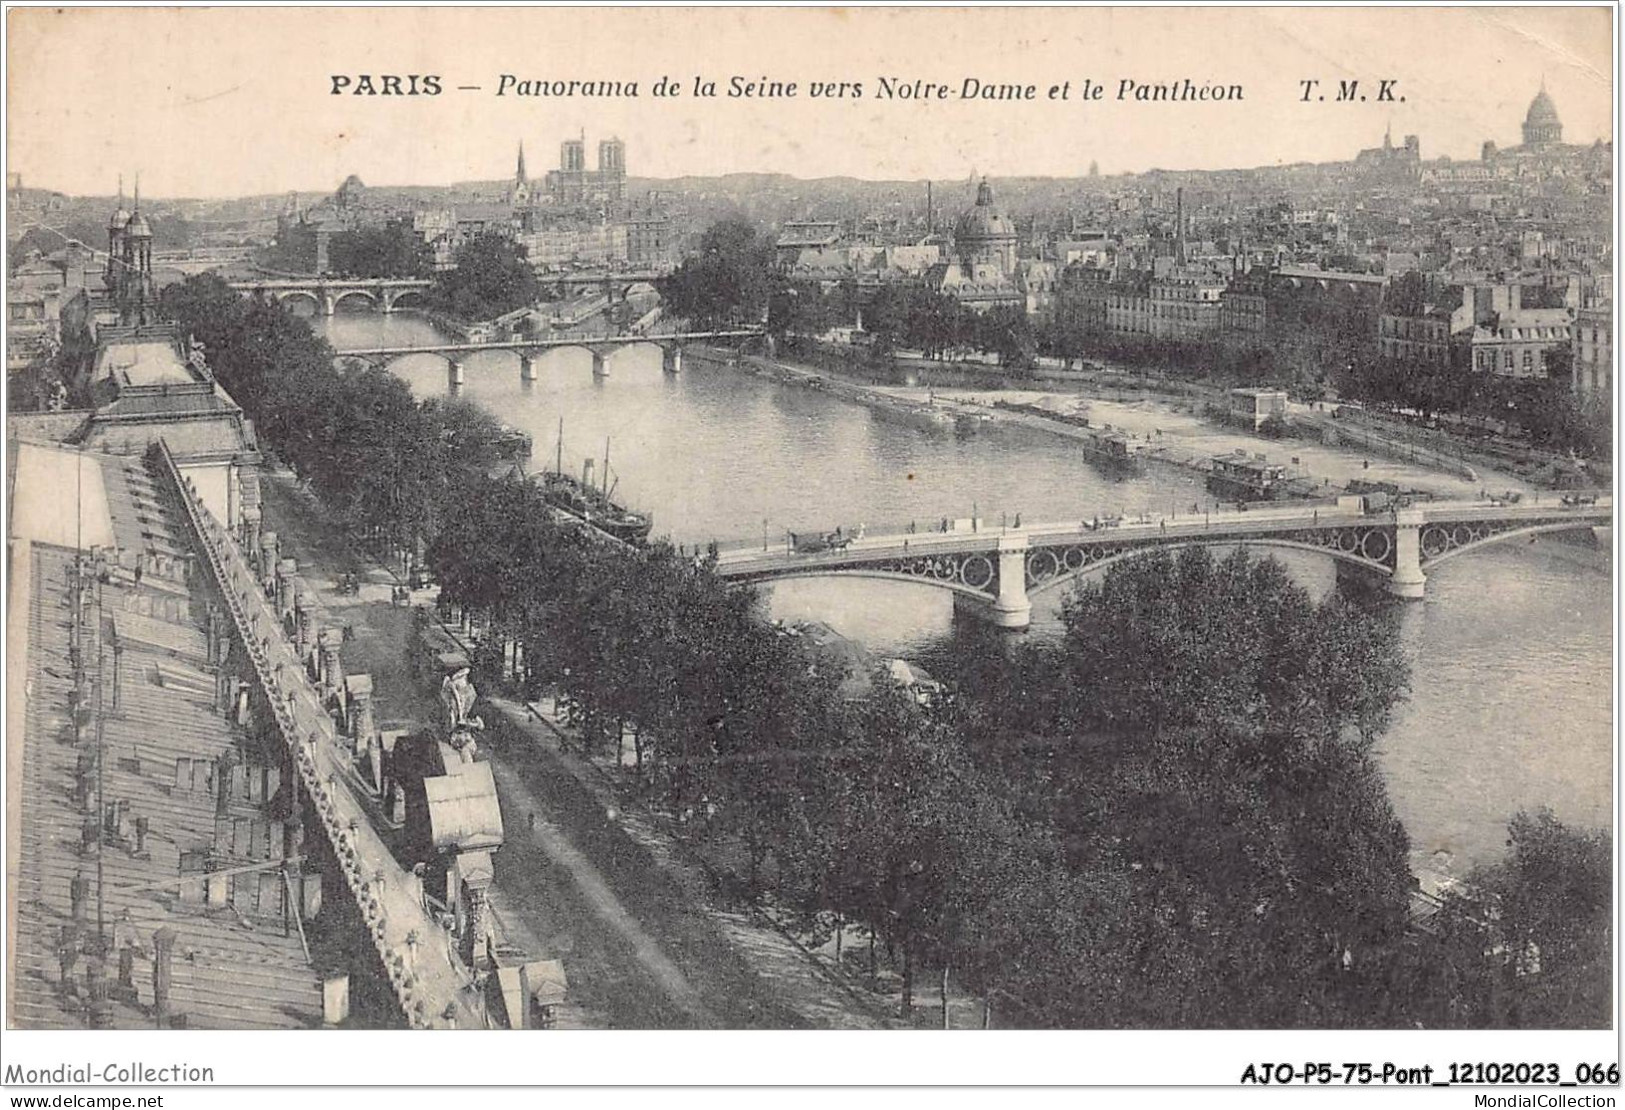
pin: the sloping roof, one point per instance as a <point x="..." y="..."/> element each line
<point x="233" y="965"/>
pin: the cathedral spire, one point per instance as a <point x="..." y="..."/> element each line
<point x="519" y="174"/>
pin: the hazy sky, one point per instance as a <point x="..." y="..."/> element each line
<point x="219" y="102"/>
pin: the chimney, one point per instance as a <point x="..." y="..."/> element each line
<point x="79" y="895"/>
<point x="101" y="1006"/>
<point x="83" y="772"/>
<point x="223" y="768"/>
<point x="1179" y="233"/>
<point x="126" y="969"/>
<point x="163" y="948"/>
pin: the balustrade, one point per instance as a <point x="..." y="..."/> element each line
<point x="383" y="891"/>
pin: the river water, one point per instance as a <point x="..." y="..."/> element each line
<point x="1511" y="651"/>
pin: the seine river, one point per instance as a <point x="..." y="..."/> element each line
<point x="1511" y="651"/>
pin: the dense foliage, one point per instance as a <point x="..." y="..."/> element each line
<point x="1525" y="943"/>
<point x="388" y="463"/>
<point x="728" y="281"/>
<point x="1199" y="743"/>
<point x="908" y="317"/>
<point x="492" y="278"/>
<point x="389" y="250"/>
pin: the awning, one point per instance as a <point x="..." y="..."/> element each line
<point x="463" y="812"/>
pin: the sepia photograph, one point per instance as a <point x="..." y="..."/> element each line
<point x="632" y="520"/>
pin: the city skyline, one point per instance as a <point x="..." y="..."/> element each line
<point x="238" y="142"/>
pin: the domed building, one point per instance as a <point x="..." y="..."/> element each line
<point x="986" y="235"/>
<point x="983" y="274"/>
<point x="1541" y="127"/>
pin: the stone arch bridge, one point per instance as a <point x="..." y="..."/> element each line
<point x="994" y="573"/>
<point x="383" y="294"/>
<point x="530" y="350"/>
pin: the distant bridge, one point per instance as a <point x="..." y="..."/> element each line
<point x="529" y="350"/>
<point x="994" y="572"/>
<point x="613" y="283"/>
<point x="384" y="294"/>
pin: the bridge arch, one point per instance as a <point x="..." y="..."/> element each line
<point x="1457" y="543"/>
<point x="402" y="298"/>
<point x="366" y="294"/>
<point x="283" y="296"/>
<point x="654" y="345"/>
<point x="1068" y="574"/>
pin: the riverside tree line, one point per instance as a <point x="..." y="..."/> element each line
<point x="1170" y="817"/>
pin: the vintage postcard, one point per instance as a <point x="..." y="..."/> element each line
<point x="1091" y="519"/>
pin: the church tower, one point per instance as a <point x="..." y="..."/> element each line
<point x="136" y="300"/>
<point x="519" y="195"/>
<point x="115" y="235"/>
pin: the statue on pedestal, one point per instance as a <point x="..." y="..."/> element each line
<point x="457" y="698"/>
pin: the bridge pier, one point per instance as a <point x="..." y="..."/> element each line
<point x="454" y="373"/>
<point x="600" y="364"/>
<point x="527" y="368"/>
<point x="1408" y="581"/>
<point x="671" y="359"/>
<point x="326" y="303"/>
<point x="1010" y="609"/>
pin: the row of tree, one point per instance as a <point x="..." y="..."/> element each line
<point x="390" y="464"/>
<point x="1546" y="410"/>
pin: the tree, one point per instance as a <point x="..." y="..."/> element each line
<point x="390" y="250"/>
<point x="1212" y="729"/>
<point x="1527" y="942"/>
<point x="729" y="281"/>
<point x="1006" y="333"/>
<point x="492" y="277"/>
